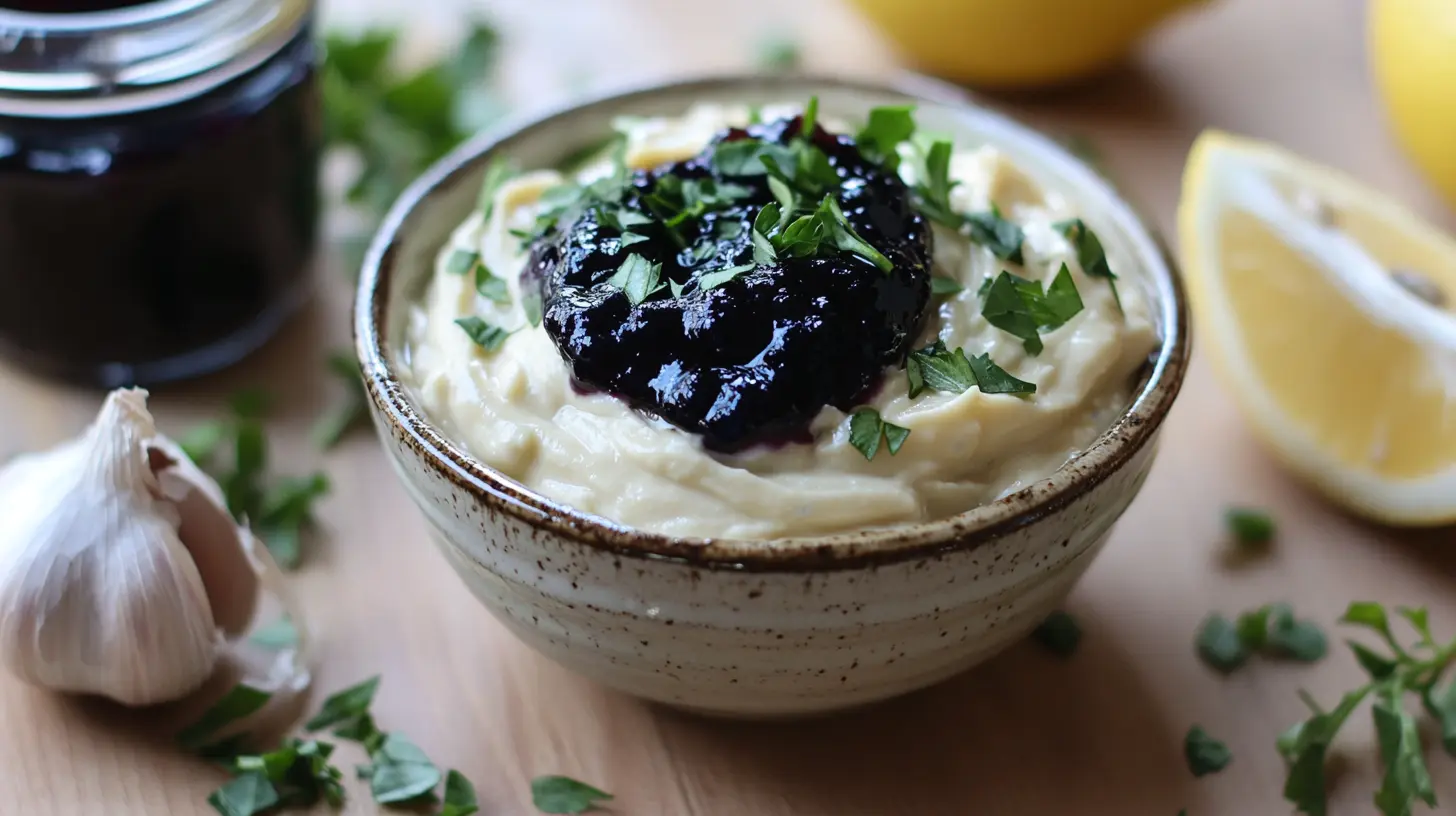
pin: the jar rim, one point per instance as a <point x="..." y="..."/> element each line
<point x="123" y="60"/>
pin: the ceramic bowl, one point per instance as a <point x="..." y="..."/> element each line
<point x="756" y="628"/>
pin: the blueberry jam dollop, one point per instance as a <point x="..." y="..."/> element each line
<point x="734" y="323"/>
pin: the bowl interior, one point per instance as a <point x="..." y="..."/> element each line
<point x="402" y="258"/>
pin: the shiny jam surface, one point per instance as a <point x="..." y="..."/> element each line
<point x="754" y="359"/>
<point x="156" y="245"/>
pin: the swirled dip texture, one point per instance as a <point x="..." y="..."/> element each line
<point x="520" y="410"/>
<point x="757" y="358"/>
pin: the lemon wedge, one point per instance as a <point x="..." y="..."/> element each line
<point x="1329" y="311"/>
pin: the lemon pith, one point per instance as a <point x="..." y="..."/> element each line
<point x="1345" y="375"/>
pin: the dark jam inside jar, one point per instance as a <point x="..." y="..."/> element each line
<point x="152" y="245"/>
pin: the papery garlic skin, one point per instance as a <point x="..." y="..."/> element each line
<point x="98" y="594"/>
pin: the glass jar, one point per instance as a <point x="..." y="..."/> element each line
<point x="158" y="183"/>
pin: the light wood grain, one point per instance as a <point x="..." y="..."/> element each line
<point x="1026" y="734"/>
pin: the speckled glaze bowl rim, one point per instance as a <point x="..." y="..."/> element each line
<point x="843" y="551"/>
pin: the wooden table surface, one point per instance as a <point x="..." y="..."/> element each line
<point x="1025" y="734"/>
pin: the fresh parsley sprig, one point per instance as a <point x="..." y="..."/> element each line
<point x="1419" y="669"/>
<point x="564" y="795"/>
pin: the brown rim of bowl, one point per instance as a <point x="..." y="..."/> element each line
<point x="842" y="551"/>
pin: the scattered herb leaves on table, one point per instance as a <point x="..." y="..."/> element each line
<point x="1059" y="634"/>
<point x="1205" y="755"/>
<point x="564" y="795"/>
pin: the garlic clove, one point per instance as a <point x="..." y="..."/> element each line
<point x="98" y="594"/>
<point x="205" y="527"/>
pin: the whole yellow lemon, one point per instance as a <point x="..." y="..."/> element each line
<point x="1016" y="43"/>
<point x="1413" y="54"/>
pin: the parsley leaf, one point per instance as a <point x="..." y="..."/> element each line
<point x="401" y="771"/>
<point x="945" y="286"/>
<point x="1090" y="254"/>
<point x="718" y="277"/>
<point x="564" y="795"/>
<point x="459" y="796"/>
<point x="1004" y="238"/>
<point x="490" y="287"/>
<point x="866" y="428"/>
<point x="744" y="157"/>
<point x="240" y="701"/>
<point x="1406" y="776"/>
<point x="531" y="305"/>
<point x="1219" y="644"/>
<point x="1205" y="754"/>
<point x="810" y="119"/>
<point x="1305" y="746"/>
<point x="1006" y="307"/>
<point x="938" y="369"/>
<point x="297" y="774"/>
<point x="1249" y="527"/>
<point x="932" y="192"/>
<point x="1059" y="634"/>
<point x="883" y="132"/>
<point x="1298" y="640"/>
<point x="808" y="235"/>
<point x="1441" y="705"/>
<point x="994" y="379"/>
<point x="489" y="337"/>
<point x="1021" y="308"/>
<point x="343" y="707"/>
<point x="638" y="278"/>
<point x="244" y="795"/>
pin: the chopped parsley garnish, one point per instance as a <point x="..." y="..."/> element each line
<point x="866" y="429"/>
<point x="932" y="191"/>
<point x="638" y="278"/>
<point x="1004" y="238"/>
<point x="1205" y="755"/>
<point x="718" y="277"/>
<point x="459" y="796"/>
<point x="1021" y="308"/>
<point x="279" y="512"/>
<point x="744" y="157"/>
<point x="886" y="128"/>
<point x="1059" y="634"/>
<point x="241" y="701"/>
<point x="531" y="305"/>
<point x="939" y="369"/>
<point x="484" y="334"/>
<point x="807" y="235"/>
<point x="945" y="286"/>
<point x="564" y="795"/>
<point x="1090" y="254"/>
<point x="993" y="379"/>
<point x="1271" y="629"/>
<point x="297" y="774"/>
<point x="400" y="771"/>
<point x="490" y="287"/>
<point x="461" y="261"/>
<point x="346" y="706"/>
<point x="1249" y="527"/>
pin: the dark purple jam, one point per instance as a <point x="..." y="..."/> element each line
<point x="159" y="244"/>
<point x="754" y="359"/>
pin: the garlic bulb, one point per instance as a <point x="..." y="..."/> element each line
<point x="120" y="567"/>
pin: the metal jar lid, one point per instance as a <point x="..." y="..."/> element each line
<point x="66" y="66"/>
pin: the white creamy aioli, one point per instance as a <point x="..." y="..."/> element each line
<point x="516" y="411"/>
